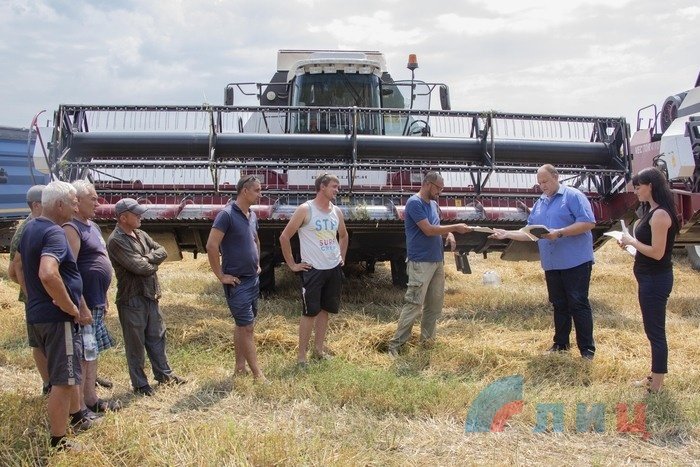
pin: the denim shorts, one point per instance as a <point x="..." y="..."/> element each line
<point x="242" y="300"/>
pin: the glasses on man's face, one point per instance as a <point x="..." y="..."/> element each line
<point x="440" y="188"/>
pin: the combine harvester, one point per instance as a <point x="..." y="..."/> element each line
<point x="341" y="112"/>
<point x="670" y="140"/>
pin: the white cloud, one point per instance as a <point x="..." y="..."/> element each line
<point x="381" y="27"/>
<point x="535" y="56"/>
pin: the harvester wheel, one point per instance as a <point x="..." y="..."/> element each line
<point x="399" y="276"/>
<point x="267" y="275"/>
<point x="694" y="256"/>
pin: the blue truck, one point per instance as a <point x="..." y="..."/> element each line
<point x="17" y="174"/>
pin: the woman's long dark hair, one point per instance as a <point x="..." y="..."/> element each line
<point x="660" y="192"/>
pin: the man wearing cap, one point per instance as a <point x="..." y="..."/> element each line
<point x="135" y="258"/>
<point x="34" y="202"/>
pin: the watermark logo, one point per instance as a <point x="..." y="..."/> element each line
<point x="503" y="398"/>
<point x="495" y="404"/>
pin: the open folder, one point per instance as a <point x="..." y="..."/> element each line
<point x="535" y="232"/>
<point x="478" y="228"/>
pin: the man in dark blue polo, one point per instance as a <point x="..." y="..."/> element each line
<point x="54" y="287"/>
<point x="234" y="235"/>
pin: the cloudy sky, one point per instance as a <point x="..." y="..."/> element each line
<point x="587" y="57"/>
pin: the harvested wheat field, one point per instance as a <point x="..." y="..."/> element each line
<point x="363" y="408"/>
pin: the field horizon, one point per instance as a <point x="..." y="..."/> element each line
<point x="364" y="408"/>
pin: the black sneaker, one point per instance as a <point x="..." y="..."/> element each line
<point x="146" y="390"/>
<point x="84" y="420"/>
<point x="587" y="355"/>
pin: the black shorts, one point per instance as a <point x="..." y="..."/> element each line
<point x="30" y="338"/>
<point x="62" y="345"/>
<point x="320" y="290"/>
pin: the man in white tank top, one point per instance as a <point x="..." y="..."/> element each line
<point x="323" y="242"/>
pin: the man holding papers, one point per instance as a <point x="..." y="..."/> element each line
<point x="566" y="255"/>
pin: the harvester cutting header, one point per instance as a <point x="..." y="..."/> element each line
<point x="339" y="112"/>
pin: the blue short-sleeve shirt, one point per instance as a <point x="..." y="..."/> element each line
<point x="567" y="206"/>
<point x="421" y="247"/>
<point x="239" y="252"/>
<point x="42" y="237"/>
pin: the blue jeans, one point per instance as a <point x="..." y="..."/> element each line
<point x="653" y="293"/>
<point x="568" y="294"/>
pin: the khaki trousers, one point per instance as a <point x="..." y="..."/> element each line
<point x="426" y="294"/>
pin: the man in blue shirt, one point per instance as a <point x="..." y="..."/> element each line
<point x="424" y="250"/>
<point x="566" y="255"/>
<point x="234" y="235"/>
<point x="53" y="286"/>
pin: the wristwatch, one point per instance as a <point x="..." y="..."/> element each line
<point x="560" y="234"/>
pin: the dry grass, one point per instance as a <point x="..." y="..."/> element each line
<point x="363" y="408"/>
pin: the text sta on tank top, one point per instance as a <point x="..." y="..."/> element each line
<point x="318" y="238"/>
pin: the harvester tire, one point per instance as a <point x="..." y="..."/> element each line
<point x="399" y="275"/>
<point x="694" y="256"/>
<point x="267" y="273"/>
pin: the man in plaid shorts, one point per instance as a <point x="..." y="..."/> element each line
<point x="89" y="248"/>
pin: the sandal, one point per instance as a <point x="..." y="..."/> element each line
<point x="102" y="406"/>
<point x="104" y="382"/>
<point x="642" y="383"/>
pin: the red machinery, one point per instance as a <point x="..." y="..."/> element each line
<point x="670" y="140"/>
<point x="339" y="112"/>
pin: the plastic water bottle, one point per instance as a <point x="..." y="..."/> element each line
<point x="491" y="279"/>
<point x="89" y="343"/>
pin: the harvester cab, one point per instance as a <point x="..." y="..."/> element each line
<point x="669" y="138"/>
<point x="314" y="82"/>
